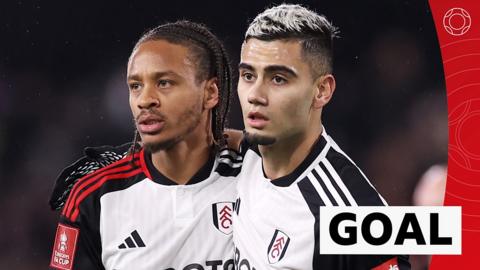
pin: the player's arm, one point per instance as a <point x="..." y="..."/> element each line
<point x="233" y="138"/>
<point x="76" y="246"/>
<point x="94" y="159"/>
<point x="77" y="243"/>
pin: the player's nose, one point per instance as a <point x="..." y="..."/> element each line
<point x="148" y="98"/>
<point x="257" y="94"/>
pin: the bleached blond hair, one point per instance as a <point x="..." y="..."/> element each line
<point x="295" y="22"/>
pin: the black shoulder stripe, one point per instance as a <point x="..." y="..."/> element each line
<point x="314" y="202"/>
<point x="111" y="186"/>
<point x="359" y="187"/>
<point x="107" y="174"/>
<point x="324" y="187"/>
<point x="108" y="183"/>
<point x="310" y="195"/>
<point x="335" y="185"/>
<point x="109" y="167"/>
<point x="90" y="205"/>
<point x="90" y="179"/>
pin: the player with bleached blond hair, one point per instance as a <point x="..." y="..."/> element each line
<point x="291" y="165"/>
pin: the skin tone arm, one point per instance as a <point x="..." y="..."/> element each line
<point x="234" y="138"/>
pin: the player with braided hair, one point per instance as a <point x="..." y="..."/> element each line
<point x="211" y="62"/>
<point x="167" y="204"/>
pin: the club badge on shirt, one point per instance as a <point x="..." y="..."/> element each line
<point x="278" y="246"/>
<point x="64" y="247"/>
<point x="222" y="216"/>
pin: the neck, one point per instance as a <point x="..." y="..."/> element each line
<point x="183" y="160"/>
<point x="284" y="156"/>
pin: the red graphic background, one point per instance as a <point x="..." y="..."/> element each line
<point x="461" y="62"/>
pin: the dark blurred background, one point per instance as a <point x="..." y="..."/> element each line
<point x="62" y="87"/>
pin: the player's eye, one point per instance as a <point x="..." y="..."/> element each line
<point x="247" y="76"/>
<point x="134" y="86"/>
<point x="164" y="83"/>
<point x="279" y="80"/>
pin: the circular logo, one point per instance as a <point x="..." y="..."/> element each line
<point x="457" y="21"/>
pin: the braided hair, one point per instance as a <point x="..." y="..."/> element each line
<point x="212" y="61"/>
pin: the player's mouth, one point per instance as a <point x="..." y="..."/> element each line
<point x="150" y="124"/>
<point x="257" y="120"/>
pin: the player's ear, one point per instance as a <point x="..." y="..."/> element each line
<point x="324" y="88"/>
<point x="210" y="95"/>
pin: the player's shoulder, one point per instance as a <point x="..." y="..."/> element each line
<point x="97" y="164"/>
<point x="336" y="180"/>
<point x="94" y="158"/>
<point x="116" y="176"/>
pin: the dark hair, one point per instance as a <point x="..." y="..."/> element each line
<point x="211" y="60"/>
<point x="294" y="22"/>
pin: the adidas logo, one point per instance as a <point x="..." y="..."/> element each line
<point x="133" y="241"/>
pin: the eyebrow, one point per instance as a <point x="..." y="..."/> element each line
<point x="270" y="69"/>
<point x="137" y="77"/>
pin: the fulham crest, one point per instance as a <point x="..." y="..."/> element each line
<point x="278" y="246"/>
<point x="222" y="216"/>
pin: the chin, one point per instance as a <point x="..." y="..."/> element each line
<point x="255" y="137"/>
<point x="152" y="144"/>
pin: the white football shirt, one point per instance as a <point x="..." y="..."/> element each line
<point x="130" y="216"/>
<point x="276" y="222"/>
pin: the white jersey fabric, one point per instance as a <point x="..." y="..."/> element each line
<point x="276" y="222"/>
<point x="130" y="216"/>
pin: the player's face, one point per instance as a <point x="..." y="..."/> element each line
<point x="276" y="90"/>
<point x="165" y="98"/>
